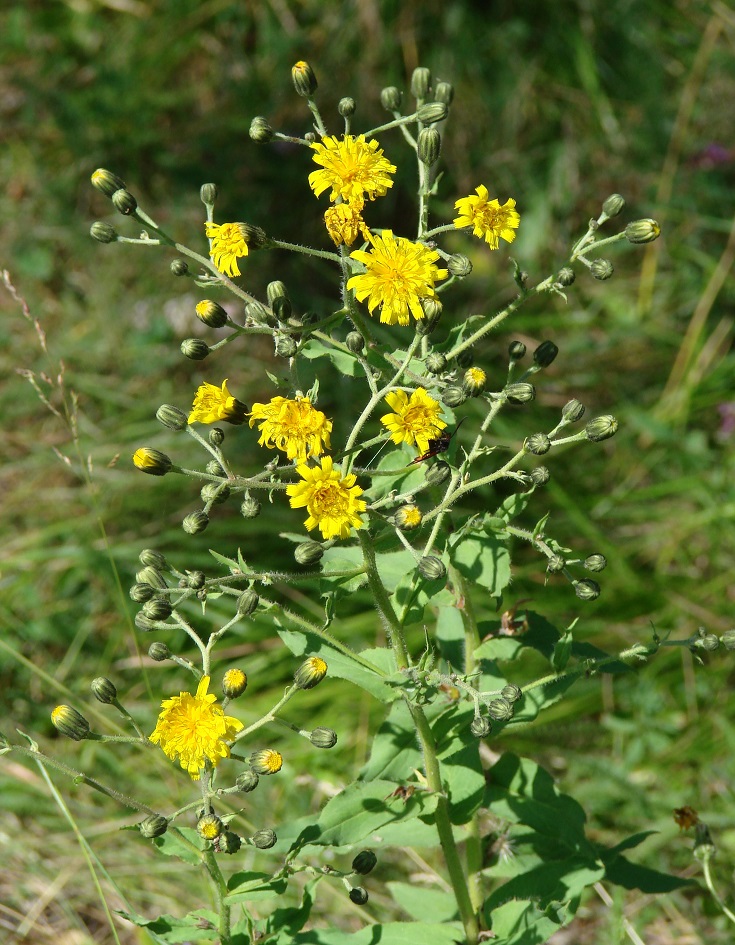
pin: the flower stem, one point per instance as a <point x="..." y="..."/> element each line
<point x="382" y="602"/>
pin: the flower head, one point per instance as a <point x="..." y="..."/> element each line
<point x="399" y="274"/>
<point x="487" y="218"/>
<point x="310" y="673"/>
<point x="266" y="761"/>
<point x="194" y="730"/>
<point x="416" y="418"/>
<point x="345" y="224"/>
<point x="229" y="244"/>
<point x="293" y="426"/>
<point x="331" y="501"/>
<point x="151" y="461"/>
<point x="352" y="167"/>
<point x="212" y="403"/>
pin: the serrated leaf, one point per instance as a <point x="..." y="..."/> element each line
<point x="483" y="559"/>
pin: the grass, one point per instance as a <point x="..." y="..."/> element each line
<point x="558" y="111"/>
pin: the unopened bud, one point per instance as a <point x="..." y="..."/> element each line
<point x="260" y="130"/>
<point x="595" y="562"/>
<point x="264" y="839"/>
<point x="179" y="267"/>
<point x="247" y="781"/>
<point x="250" y="507"/>
<point x="359" y="895"/>
<point x="537" y="443"/>
<point x="195" y="523"/>
<point x="453" y="396"/>
<point x="308" y="553"/>
<point x="211" y="313"/>
<point x="217" y="437"/>
<point x="516" y="350"/>
<point x="234" y="683"/>
<point x="304" y="80"/>
<point x="420" y="82"/>
<point x="247" y="602"/>
<point x="435" y="362"/>
<point x="286" y="347"/>
<point x="104" y="690"/>
<point x="194" y="349"/>
<point x="728" y="639"/>
<point x="310" y="673"/>
<point x="459" y="265"/>
<point x="355" y="342"/>
<point x="228" y="842"/>
<point x="520" y="393"/>
<point x="124" y="202"/>
<point x="432" y="568"/>
<point x="346" y="107"/>
<point x="480" y="726"/>
<point x="601" y="428"/>
<point x="103" y="232"/>
<point x="545" y="354"/>
<point x="151" y="461"/>
<point x="432" y="112"/>
<point x="602" y="269"/>
<point x="613" y="205"/>
<point x="429" y="146"/>
<point x="587" y="589"/>
<point x="154" y="826"/>
<point x="106" y="182"/>
<point x="140" y="593"/>
<point x="642" y="231"/>
<point x="474" y="381"/>
<point x="69" y="722"/>
<point x="500" y="709"/>
<point x="565" y="276"/>
<point x="511" y="693"/>
<point x="444" y="92"/>
<point x="208" y="194"/>
<point x="390" y="98"/>
<point x="171" y="417"/>
<point x="157" y="609"/>
<point x="437" y="473"/>
<point x="159" y="652"/>
<point x="323" y="738"/>
<point x="555" y="564"/>
<point x="540" y="475"/>
<point x="572" y="411"/>
<point x="213" y="492"/>
<point x="364" y="862"/>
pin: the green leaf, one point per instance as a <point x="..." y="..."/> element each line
<point x="394" y="472"/>
<point x="168" y="928"/>
<point x="427" y="904"/>
<point x="394" y="753"/>
<point x="246" y="886"/>
<point x="483" y="559"/>
<point x="553" y="881"/>
<point x="392" y="933"/>
<point x="632" y="876"/>
<point x="459" y="756"/>
<point x="450" y="636"/>
<point x="230" y="563"/>
<point x="341" y="665"/>
<point x="413" y="593"/>
<point x="174" y="843"/>
<point x="289" y="921"/>
<point x="512" y="507"/>
<point x="345" y="362"/>
<point x="364" y="808"/>
<point x="525" y="923"/>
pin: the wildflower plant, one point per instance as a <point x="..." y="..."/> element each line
<point x="393" y="505"/>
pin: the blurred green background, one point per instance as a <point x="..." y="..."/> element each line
<point x="557" y="105"/>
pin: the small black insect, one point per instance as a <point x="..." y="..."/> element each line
<point x="439" y="445"/>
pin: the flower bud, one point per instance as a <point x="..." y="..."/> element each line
<point x="124" y="202"/>
<point x="500" y="709"/>
<point x="214" y="468"/>
<point x="596" y="562"/>
<point x="140" y="593"/>
<point x="602" y="269"/>
<point x="195" y="580"/>
<point x="250" y="507"/>
<point x="613" y="205"/>
<point x="359" y="895"/>
<point x="159" y="652"/>
<point x="432" y="309"/>
<point x="459" y="265"/>
<point x="572" y="411"/>
<point x="545" y="354"/>
<point x="264" y="839"/>
<point x="323" y="738"/>
<point x="154" y="559"/>
<point x="217" y="434"/>
<point x="228" y="842"/>
<point x="212" y="314"/>
<point x="157" y="609"/>
<point x="266" y="761"/>
<point x="304" y="80"/>
<point x="516" y="350"/>
<point x="642" y="231"/>
<point x="556" y="564"/>
<point x="364" y="862"/>
<point x="444" y="92"/>
<point x="601" y="428"/>
<point x="390" y="98"/>
<point x="151" y="573"/>
<point x="474" y="381"/>
<point x="151" y="461"/>
<point x="103" y="232"/>
<point x="704" y="847"/>
<point x="247" y="602"/>
<point x="708" y="642"/>
<point x="435" y="362"/>
<point x="355" y="342"/>
<point x="308" y="553"/>
<point x="209" y="827"/>
<point x="453" y="396"/>
<point x="310" y="673"/>
<point x="276" y="290"/>
<point x="437" y="473"/>
<point x="106" y="182"/>
<point x="432" y="112"/>
<point x="103" y="689"/>
<point x="194" y="349"/>
<point x="145" y="624"/>
<point x="256" y="313"/>
<point x="69" y="722"/>
<point x="429" y="146"/>
<point x="234" y="683"/>
<point x="171" y="417"/>
<point x="728" y="639"/>
<point x="520" y="393"/>
<point x="247" y="781"/>
<point x="282" y="307"/>
<point x="286" y="347"/>
<point x="511" y="693"/>
<point x="540" y="476"/>
<point x="537" y="443"/>
<point x="407" y="517"/>
<point x="195" y="522"/>
<point x="346" y="107"/>
<point x="154" y="826"/>
<point x="208" y="194"/>
<point x="179" y="267"/>
<point x="260" y="130"/>
<point x="587" y="589"/>
<point x="565" y="276"/>
<point x="480" y="726"/>
<point x="213" y="492"/>
<point x="432" y="568"/>
<point x="420" y="82"/>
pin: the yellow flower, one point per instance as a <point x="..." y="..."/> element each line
<point x="151" y="461"/>
<point x="351" y="167"/>
<point x="266" y="761"/>
<point x="194" y="730"/>
<point x="399" y="274"/>
<point x="487" y="218"/>
<point x="292" y="426"/>
<point x="332" y="502"/>
<point x="344" y="224"/>
<point x="228" y="245"/>
<point x="416" y="419"/>
<point x="212" y="403"/>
